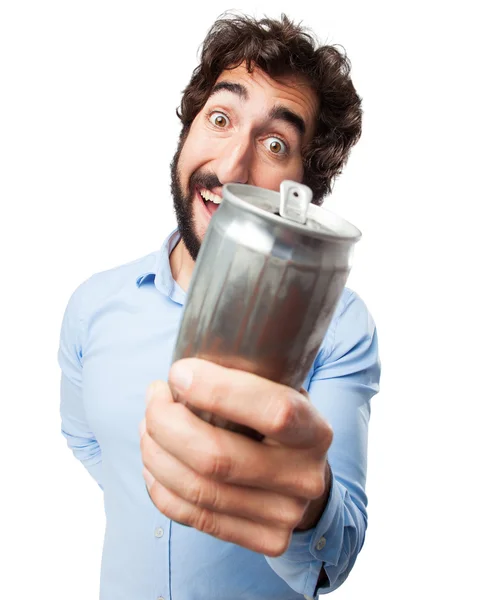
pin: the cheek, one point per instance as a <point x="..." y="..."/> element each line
<point x="195" y="152"/>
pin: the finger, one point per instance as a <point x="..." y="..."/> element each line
<point x="259" y="537"/>
<point x="160" y="392"/>
<point x="275" y="410"/>
<point x="232" y="458"/>
<point x="251" y="503"/>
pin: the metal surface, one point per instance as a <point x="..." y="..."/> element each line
<point x="265" y="288"/>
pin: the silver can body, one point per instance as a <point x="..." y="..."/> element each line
<point x="264" y="289"/>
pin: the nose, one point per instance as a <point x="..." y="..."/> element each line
<point x="233" y="166"/>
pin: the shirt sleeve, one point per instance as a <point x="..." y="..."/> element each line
<point x="74" y="426"/>
<point x="341" y="388"/>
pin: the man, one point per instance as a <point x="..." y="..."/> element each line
<point x="282" y="519"/>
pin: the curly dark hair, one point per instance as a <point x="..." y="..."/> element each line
<point x="281" y="48"/>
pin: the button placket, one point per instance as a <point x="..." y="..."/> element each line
<point x="159" y="533"/>
<point x="162" y="551"/>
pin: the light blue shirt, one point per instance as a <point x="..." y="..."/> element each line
<point x="118" y="335"/>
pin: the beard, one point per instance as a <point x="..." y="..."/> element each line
<point x="183" y="205"/>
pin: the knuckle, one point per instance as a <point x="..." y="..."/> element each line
<point x="328" y="436"/>
<point x="285" y="415"/>
<point x="206" y="522"/>
<point x="196" y="492"/>
<point x="151" y="458"/>
<point x="216" y="463"/>
<point x="148" y="418"/>
<point x="158" y="500"/>
<point x="151" y="421"/>
<point x="216" y="395"/>
<point x="305" y="394"/>
<point x="145" y="446"/>
<point x="151" y="391"/>
<point x="156" y="390"/>
<point x="314" y="486"/>
<point x="278" y="544"/>
<point x="204" y="494"/>
<point x="291" y="513"/>
<point x="220" y="466"/>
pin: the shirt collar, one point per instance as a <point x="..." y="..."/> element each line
<point x="160" y="272"/>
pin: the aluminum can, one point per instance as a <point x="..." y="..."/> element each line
<point x="268" y="277"/>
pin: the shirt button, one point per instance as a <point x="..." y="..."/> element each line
<point x="158" y="534"/>
<point x="321" y="544"/>
<point x="160" y="598"/>
<point x="308" y="597"/>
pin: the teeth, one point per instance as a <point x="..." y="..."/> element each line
<point x="207" y="195"/>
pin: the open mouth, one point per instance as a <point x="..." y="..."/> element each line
<point x="210" y="200"/>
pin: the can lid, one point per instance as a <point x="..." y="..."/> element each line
<point x="292" y="207"/>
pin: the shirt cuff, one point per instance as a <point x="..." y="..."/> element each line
<point x="309" y="550"/>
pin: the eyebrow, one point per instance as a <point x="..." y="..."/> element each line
<point x="280" y="113"/>
<point x="234" y="88"/>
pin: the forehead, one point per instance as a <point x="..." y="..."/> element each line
<point x="291" y="91"/>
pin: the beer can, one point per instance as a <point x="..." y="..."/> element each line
<point x="268" y="277"/>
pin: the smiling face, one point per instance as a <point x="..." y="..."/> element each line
<point x="252" y="130"/>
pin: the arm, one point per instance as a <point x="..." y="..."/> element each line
<point x="345" y="378"/>
<point x="80" y="438"/>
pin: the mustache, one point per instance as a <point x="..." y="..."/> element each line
<point x="205" y="180"/>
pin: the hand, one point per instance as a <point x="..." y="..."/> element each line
<point x="250" y="493"/>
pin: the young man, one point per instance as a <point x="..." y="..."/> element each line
<point x="282" y="519"/>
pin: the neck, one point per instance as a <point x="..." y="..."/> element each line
<point x="181" y="265"/>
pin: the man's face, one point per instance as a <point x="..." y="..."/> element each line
<point x="252" y="130"/>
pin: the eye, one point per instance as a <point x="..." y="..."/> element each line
<point x="218" y="119"/>
<point x="276" y="145"/>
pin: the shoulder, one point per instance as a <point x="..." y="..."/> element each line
<point x="104" y="285"/>
<point x="351" y="303"/>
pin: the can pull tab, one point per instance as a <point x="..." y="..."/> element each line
<point x="294" y="201"/>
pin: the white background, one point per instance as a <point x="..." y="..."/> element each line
<point x="87" y="132"/>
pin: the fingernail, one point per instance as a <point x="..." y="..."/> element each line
<point x="142" y="427"/>
<point x="181" y="377"/>
<point x="148" y="478"/>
